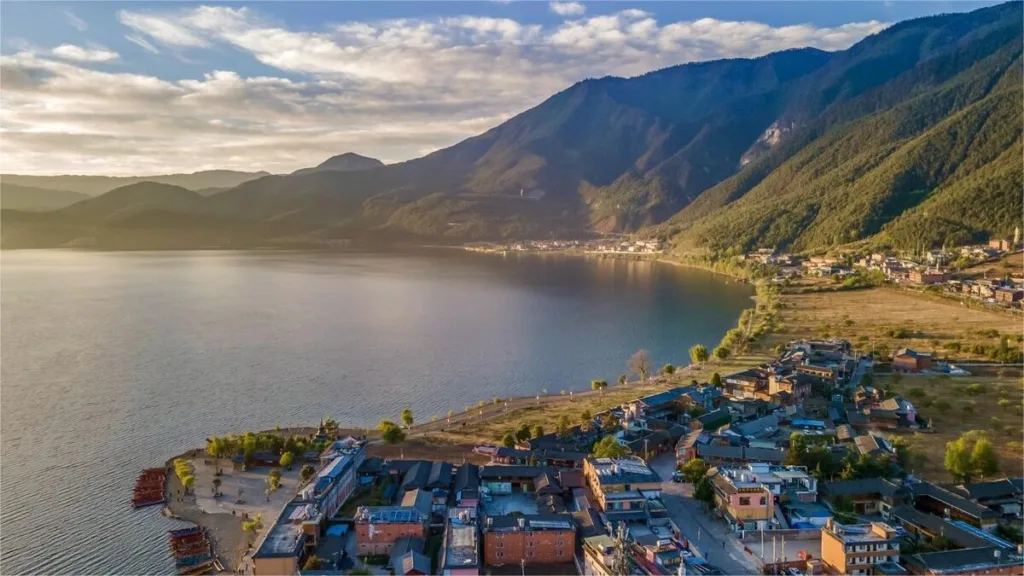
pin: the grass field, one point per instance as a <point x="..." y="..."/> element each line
<point x="866" y="317"/>
<point x="955" y="406"/>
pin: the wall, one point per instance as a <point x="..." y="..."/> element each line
<point x="534" y="546"/>
<point x="275" y="566"/>
<point x="384" y="536"/>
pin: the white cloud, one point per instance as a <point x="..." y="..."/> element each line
<point x="76" y="22"/>
<point x="390" y="89"/>
<point x="79" y="54"/>
<point x="568" y="9"/>
<point x="142" y="43"/>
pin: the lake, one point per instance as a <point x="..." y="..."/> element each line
<point x="113" y="362"/>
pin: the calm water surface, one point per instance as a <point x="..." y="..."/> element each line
<point x="112" y="362"/>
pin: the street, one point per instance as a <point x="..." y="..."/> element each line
<point x="710" y="538"/>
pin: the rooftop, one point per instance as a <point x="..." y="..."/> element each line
<point x="967" y="560"/>
<point x="461" y="549"/>
<point x="388" y="515"/>
<point x="622" y="471"/>
<point x="286" y="537"/>
<point x="853" y="533"/>
<point x="951" y="499"/>
<point x="529" y="522"/>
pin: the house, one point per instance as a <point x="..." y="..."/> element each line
<point x="798" y="385"/>
<point x="901" y="406"/>
<point x="924" y="525"/>
<point x="529" y="539"/>
<point x="379" y="527"/>
<point x="291" y="538"/>
<point x="907" y="360"/>
<point x="873" y="419"/>
<point x="866" y="495"/>
<point x="1002" y="496"/>
<point x="420" y="500"/>
<point x="858" y="548"/>
<point x="1008" y="295"/>
<point x="402" y="547"/>
<point x="599" y="555"/>
<point x="460" y="549"/>
<point x="745" y="504"/>
<point x="413" y="564"/>
<point x="467" y="485"/>
<point x="621" y="486"/>
<point x="1000" y="244"/>
<point x="980" y="560"/>
<point x="746" y="384"/>
<point x="759" y="428"/>
<point x="725" y="455"/>
<point x="872" y="446"/>
<point x="712" y="420"/>
<point x="928" y="277"/>
<point x="939" y="501"/>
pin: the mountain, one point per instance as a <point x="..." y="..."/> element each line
<point x="96" y="185"/>
<point x="346" y="162"/>
<point x="910" y="137"/>
<point x="34" y="199"/>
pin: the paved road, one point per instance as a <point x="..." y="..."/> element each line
<point x="858" y="372"/>
<point x="710" y="537"/>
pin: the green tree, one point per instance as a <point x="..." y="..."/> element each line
<point x="509" y="440"/>
<point x="598" y="385"/>
<point x="274" y="479"/>
<point x="699" y="354"/>
<point x="188" y="481"/>
<point x="958" y="460"/>
<point x="312" y="563"/>
<point x="640" y="364"/>
<point x="523" y="433"/>
<point x="253" y="524"/>
<point x="716" y="379"/>
<point x="390" y="432"/>
<point x="694" y="470"/>
<point x="306" y="472"/>
<point x="286" y="460"/>
<point x="983" y="459"/>
<point x="704" y="492"/>
<point x="609" y="447"/>
<point x="564" y="427"/>
<point x="668" y="369"/>
<point x="622" y="380"/>
<point x="586" y="421"/>
<point x="721" y="353"/>
<point x="407" y="418"/>
<point x="538" y="431"/>
<point x="609" y="423"/>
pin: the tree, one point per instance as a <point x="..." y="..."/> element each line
<point x="608" y="423"/>
<point x="598" y="385"/>
<point x="286" y="460"/>
<point x="694" y="470"/>
<point x="586" y="421"/>
<point x="523" y="434"/>
<point x="188" y="481"/>
<point x="716" y="379"/>
<point x="640" y="364"/>
<point x="564" y="427"/>
<point x="668" y="369"/>
<point x="538" y="431"/>
<point x="721" y="353"/>
<point x="407" y="418"/>
<point x="274" y="479"/>
<point x="958" y="460"/>
<point x="983" y="459"/>
<point x="216" y="485"/>
<point x="703" y="491"/>
<point x="609" y="447"/>
<point x="254" y="524"/>
<point x="699" y="354"/>
<point x="509" y="440"/>
<point x="312" y="563"/>
<point x="307" y="472"/>
<point x="622" y="380"/>
<point x="390" y="432"/>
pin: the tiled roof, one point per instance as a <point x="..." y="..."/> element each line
<point x="950" y="499"/>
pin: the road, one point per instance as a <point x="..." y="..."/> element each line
<point x="711" y="538"/>
<point x="858" y="373"/>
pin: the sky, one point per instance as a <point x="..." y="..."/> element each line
<point x="159" y="87"/>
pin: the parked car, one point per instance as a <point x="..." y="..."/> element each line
<point x="677" y="477"/>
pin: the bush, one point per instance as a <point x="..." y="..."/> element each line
<point x="942" y="406"/>
<point x="975" y="389"/>
<point x="916" y="393"/>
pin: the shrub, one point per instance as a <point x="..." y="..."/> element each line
<point x="975" y="389"/>
<point x="916" y="393"/>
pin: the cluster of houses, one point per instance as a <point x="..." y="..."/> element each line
<point x="546" y="506"/>
<point x="596" y="246"/>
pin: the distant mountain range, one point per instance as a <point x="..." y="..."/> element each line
<point x="910" y="137"/>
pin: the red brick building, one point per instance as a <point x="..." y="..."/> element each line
<point x="377" y="527"/>
<point x="907" y="360"/>
<point x="535" y="539"/>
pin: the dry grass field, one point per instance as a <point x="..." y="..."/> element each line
<point x="956" y="406"/>
<point x="866" y="317"/>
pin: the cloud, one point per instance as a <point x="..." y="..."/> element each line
<point x="76" y="22"/>
<point x="142" y="43"/>
<point x="568" y="9"/>
<point x="79" y="54"/>
<point x="392" y="88"/>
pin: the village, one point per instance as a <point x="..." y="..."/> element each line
<point x="794" y="466"/>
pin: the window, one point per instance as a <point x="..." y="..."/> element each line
<point x="531" y="544"/>
<point x="763" y="500"/>
<point x="529" y="554"/>
<point x="500" y="545"/>
<point x="744" y="501"/>
<point x="559" y="543"/>
<point x="627" y="487"/>
<point x="500" y="554"/>
<point x="558" y="553"/>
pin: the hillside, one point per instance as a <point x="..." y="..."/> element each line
<point x="130" y="201"/>
<point x="908" y="137"/>
<point x="344" y="163"/>
<point x="15" y="197"/>
<point x="96" y="185"/>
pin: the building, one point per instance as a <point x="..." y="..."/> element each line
<point x="336" y="481"/>
<point x="1003" y="496"/>
<point x="926" y="277"/>
<point x="866" y="495"/>
<point x="621" y="485"/>
<point x="378" y="527"/>
<point x="460" y="551"/>
<point x="746" y="502"/>
<point x="1008" y="295"/>
<point x="982" y="560"/>
<point x="941" y="502"/>
<point x="858" y="548"/>
<point x="1000" y="244"/>
<point x="290" y="539"/>
<point x="599" y="555"/>
<point x="529" y="539"/>
<point x="907" y="360"/>
<point x="746" y="384"/>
